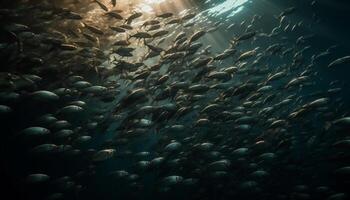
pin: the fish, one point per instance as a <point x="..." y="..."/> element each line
<point x="90" y="37"/>
<point x="117" y="29"/>
<point x="195" y="36"/>
<point x="150" y="23"/>
<point x="115" y="14"/>
<point x="101" y="5"/>
<point x="103" y="155"/>
<point x="133" y="17"/>
<point x="124" y="51"/>
<point x="340" y="61"/>
<point x="188" y="16"/>
<point x="288" y="11"/>
<point x="73" y="15"/>
<point x="154" y="48"/>
<point x="141" y="35"/>
<point x="165" y="15"/>
<point x="246" y="36"/>
<point x="94" y="29"/>
<point x="160" y="33"/>
<point x="114" y="2"/>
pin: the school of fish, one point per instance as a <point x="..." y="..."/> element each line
<point x="95" y="95"/>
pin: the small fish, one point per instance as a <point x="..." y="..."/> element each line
<point x="160" y="33"/>
<point x="94" y="29"/>
<point x="154" y="48"/>
<point x="165" y="15"/>
<point x="196" y="36"/>
<point x="340" y="61"/>
<point x="150" y="23"/>
<point x="73" y="15"/>
<point x="90" y="37"/>
<point x="173" y="21"/>
<point x="287" y="11"/>
<point x="188" y="16"/>
<point x="246" y="36"/>
<point x="133" y="17"/>
<point x="141" y="35"/>
<point x="114" y="2"/>
<point x="117" y="29"/>
<point x="115" y="14"/>
<point x="126" y="26"/>
<point x="102" y="6"/>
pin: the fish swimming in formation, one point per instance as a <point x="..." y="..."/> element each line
<point x="103" y="99"/>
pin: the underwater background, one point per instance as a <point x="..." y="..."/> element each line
<point x="175" y="99"/>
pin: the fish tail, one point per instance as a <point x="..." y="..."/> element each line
<point x="128" y="37"/>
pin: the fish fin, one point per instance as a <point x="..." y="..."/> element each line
<point x="128" y="37"/>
